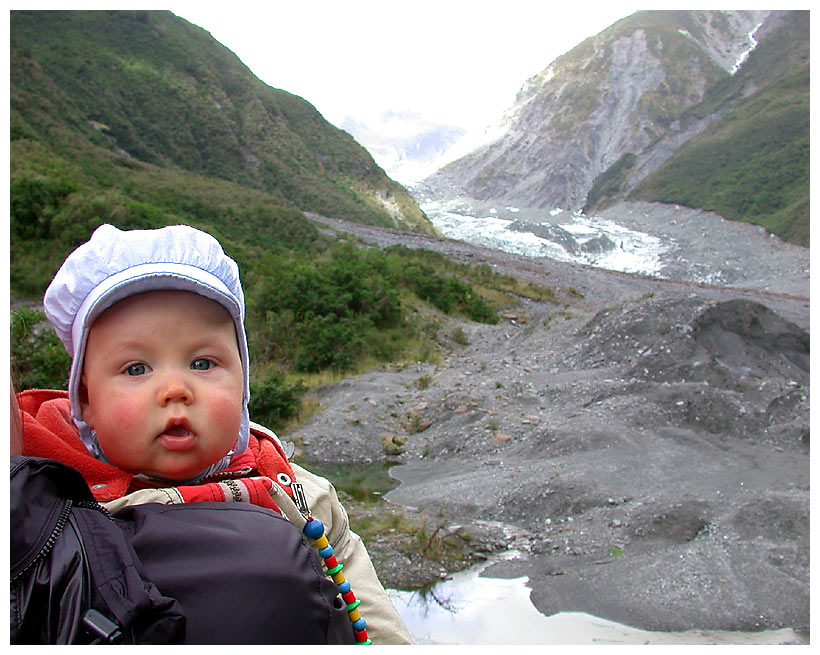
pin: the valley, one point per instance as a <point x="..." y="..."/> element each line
<point x="642" y="443"/>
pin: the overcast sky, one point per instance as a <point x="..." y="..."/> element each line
<point x="453" y="61"/>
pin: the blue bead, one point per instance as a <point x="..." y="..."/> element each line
<point x="359" y="624"/>
<point x="344" y="587"/>
<point x="325" y="552"/>
<point x="314" y="529"/>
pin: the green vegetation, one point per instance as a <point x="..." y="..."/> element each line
<point x="753" y="164"/>
<point x="115" y="91"/>
<point x="346" y="304"/>
<point x="141" y="120"/>
<point x="39" y="360"/>
<point x="743" y="169"/>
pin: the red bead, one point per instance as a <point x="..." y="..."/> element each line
<point x="330" y="562"/>
<point x="360" y="635"/>
<point x="349" y="597"/>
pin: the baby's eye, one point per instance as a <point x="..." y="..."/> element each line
<point x="202" y="364"/>
<point x="137" y="369"/>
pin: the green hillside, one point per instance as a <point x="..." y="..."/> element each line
<point x="136" y="100"/>
<point x="141" y="120"/>
<point x="752" y="164"/>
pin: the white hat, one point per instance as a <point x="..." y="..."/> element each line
<point x="115" y="264"/>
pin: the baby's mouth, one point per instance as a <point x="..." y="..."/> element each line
<point x="177" y="436"/>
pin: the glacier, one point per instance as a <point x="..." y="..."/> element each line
<point x="558" y="234"/>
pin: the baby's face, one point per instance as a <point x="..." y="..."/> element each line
<point x="162" y="383"/>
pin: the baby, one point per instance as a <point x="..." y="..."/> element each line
<point x="157" y="402"/>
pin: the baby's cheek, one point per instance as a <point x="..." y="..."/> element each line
<point x="226" y="412"/>
<point x="120" y="430"/>
<point x="127" y="413"/>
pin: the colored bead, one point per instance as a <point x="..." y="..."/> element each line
<point x="363" y="643"/>
<point x="359" y="625"/>
<point x="352" y="606"/>
<point x="331" y="563"/>
<point x="336" y="569"/>
<point x="314" y="529"/>
<point x="344" y="587"/>
<point x="349" y="597"/>
<point x="354" y="615"/>
<point x="338" y="578"/>
<point x="360" y="636"/>
<point x="326" y="552"/>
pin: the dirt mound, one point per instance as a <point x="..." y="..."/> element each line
<point x="668" y="339"/>
<point x="732" y="368"/>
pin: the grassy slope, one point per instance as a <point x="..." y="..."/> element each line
<point x="753" y="164"/>
<point x="151" y="85"/>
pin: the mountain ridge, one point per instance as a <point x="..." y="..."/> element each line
<point x="593" y="125"/>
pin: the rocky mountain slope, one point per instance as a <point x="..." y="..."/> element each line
<point x="598" y="120"/>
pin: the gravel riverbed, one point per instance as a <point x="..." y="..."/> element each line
<point x="642" y="442"/>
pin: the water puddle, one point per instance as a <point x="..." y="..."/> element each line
<point x="469" y="610"/>
<point x="366" y="482"/>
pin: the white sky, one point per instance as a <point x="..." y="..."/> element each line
<point x="453" y="61"/>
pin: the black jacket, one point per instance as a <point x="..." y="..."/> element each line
<point x="240" y="573"/>
<point x="75" y="579"/>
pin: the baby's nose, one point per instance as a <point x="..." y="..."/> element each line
<point x="175" y="390"/>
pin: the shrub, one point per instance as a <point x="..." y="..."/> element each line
<point x="33" y="204"/>
<point x="273" y="401"/>
<point x="39" y="360"/>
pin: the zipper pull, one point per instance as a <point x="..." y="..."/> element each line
<point x="299" y="498"/>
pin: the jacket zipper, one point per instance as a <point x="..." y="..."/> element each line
<point x="93" y="504"/>
<point x="58" y="528"/>
<point x="52" y="539"/>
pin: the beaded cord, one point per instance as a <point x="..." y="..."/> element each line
<point x="315" y="530"/>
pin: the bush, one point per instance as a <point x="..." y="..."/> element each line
<point x="329" y="342"/>
<point x="33" y="204"/>
<point x="39" y="360"/>
<point x="338" y="307"/>
<point x="273" y="401"/>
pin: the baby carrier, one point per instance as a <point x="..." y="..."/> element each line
<point x="74" y="577"/>
<point x="233" y="573"/>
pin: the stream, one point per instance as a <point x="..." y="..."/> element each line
<point x="467" y="608"/>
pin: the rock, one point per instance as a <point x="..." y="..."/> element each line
<point x="392" y="444"/>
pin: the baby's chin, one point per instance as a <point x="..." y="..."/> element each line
<point x="175" y="473"/>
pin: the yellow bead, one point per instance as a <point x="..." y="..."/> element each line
<point x="321" y="542"/>
<point x="338" y="578"/>
<point x="354" y="615"/>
